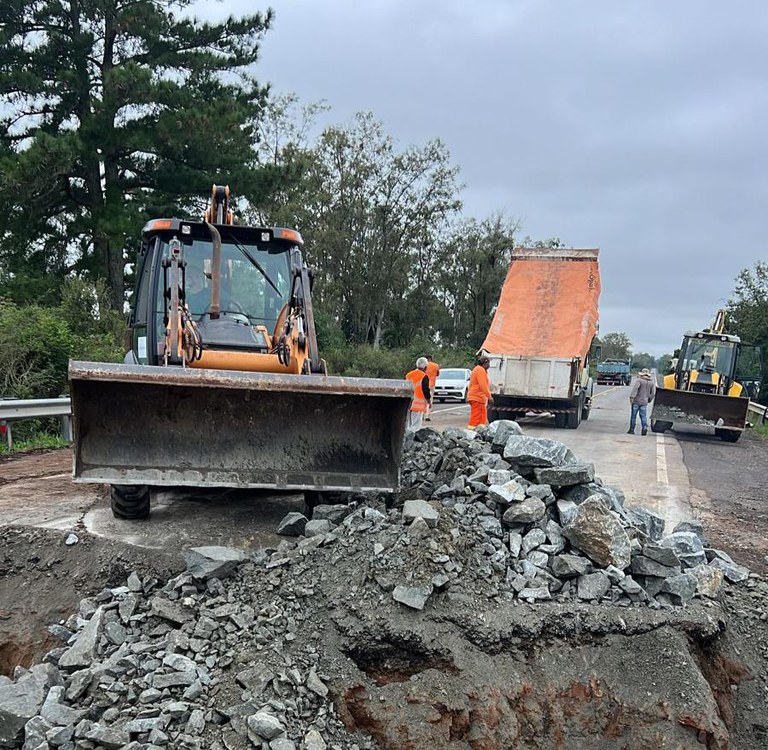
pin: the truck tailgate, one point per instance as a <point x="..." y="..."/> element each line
<point x="534" y="377"/>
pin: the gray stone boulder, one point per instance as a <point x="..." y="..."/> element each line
<point x="529" y="452"/>
<point x="317" y="528"/>
<point x="664" y="555"/>
<point x="22" y="700"/>
<point x="695" y="527"/>
<point x="567" y="475"/>
<point x="414" y="597"/>
<point x="293" y="524"/>
<point x="646" y="566"/>
<point x="82" y="652"/>
<point x="333" y="513"/>
<point x="566" y="511"/>
<point x="687" y="546"/>
<point x="681" y="588"/>
<point x="593" y="586"/>
<point x="599" y="535"/>
<point x="533" y="539"/>
<point x="570" y="566"/>
<point x="500" y="431"/>
<point x="506" y="494"/>
<point x="213" y="562"/>
<point x="413" y="509"/>
<point x="530" y="510"/>
<point x="650" y="523"/>
<point x="500" y="476"/>
<point x="709" y="580"/>
<point x="732" y="572"/>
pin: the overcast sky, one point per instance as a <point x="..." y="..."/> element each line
<point x="637" y="127"/>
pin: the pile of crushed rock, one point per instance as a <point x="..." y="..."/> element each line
<point x="235" y="651"/>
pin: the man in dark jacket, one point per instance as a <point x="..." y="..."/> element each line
<point x="643" y="391"/>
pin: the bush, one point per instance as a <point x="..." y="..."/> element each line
<point x="35" y="347"/>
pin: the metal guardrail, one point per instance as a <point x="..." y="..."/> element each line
<point x="12" y="409"/>
<point x="757" y="413"/>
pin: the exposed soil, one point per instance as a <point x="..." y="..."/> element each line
<point x="42" y="581"/>
<point x="729" y="493"/>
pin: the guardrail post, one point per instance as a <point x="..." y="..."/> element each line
<point x="66" y="428"/>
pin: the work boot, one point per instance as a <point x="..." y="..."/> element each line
<point x="645" y="430"/>
<point x="630" y="432"/>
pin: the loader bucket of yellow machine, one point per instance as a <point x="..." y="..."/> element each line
<point x="168" y="426"/>
<point x="705" y="409"/>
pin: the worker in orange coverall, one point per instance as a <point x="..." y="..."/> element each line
<point x="479" y="394"/>
<point x="433" y="370"/>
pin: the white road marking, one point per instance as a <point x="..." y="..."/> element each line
<point x="602" y="393"/>
<point x="450" y="408"/>
<point x="661" y="461"/>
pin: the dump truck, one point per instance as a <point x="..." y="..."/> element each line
<point x="223" y="385"/>
<point x="541" y="337"/>
<point x="707" y="385"/>
<point x="614" y="372"/>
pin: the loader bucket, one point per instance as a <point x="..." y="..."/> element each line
<point x="705" y="409"/>
<point x="168" y="426"/>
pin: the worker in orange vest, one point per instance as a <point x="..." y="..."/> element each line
<point x="479" y="393"/>
<point x="421" y="394"/>
<point x="433" y="370"/>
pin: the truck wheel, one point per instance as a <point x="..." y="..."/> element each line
<point x="730" y="436"/>
<point x="573" y="419"/>
<point x="660" y="425"/>
<point x="585" y="412"/>
<point x="129" y="501"/>
<point x="561" y="421"/>
<point x="493" y="415"/>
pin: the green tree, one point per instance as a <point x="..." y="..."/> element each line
<point x="473" y="263"/>
<point x="643" y="360"/>
<point x="748" y="313"/>
<point x="113" y="110"/>
<point x="369" y="213"/>
<point x="616" y="346"/>
<point x="664" y="363"/>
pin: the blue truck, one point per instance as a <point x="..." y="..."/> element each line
<point x="614" y="372"/>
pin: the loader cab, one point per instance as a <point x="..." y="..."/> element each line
<point x="256" y="284"/>
<point x="707" y="363"/>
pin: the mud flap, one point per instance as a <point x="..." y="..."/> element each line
<point x="705" y="409"/>
<point x="168" y="426"/>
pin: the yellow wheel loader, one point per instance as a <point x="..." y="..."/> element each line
<point x="708" y="384"/>
<point x="222" y="384"/>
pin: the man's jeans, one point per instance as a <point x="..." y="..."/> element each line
<point x="642" y="410"/>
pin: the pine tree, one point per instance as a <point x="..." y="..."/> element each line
<point x="112" y="111"/>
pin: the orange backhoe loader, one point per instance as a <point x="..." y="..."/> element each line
<point x="223" y="384"/>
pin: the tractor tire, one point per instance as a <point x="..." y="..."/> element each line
<point x="729" y="436"/>
<point x="660" y="425"/>
<point x="129" y="502"/>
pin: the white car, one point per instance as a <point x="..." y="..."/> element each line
<point x="452" y="383"/>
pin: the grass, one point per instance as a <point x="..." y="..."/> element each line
<point x="35" y="442"/>
<point x="762" y="429"/>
